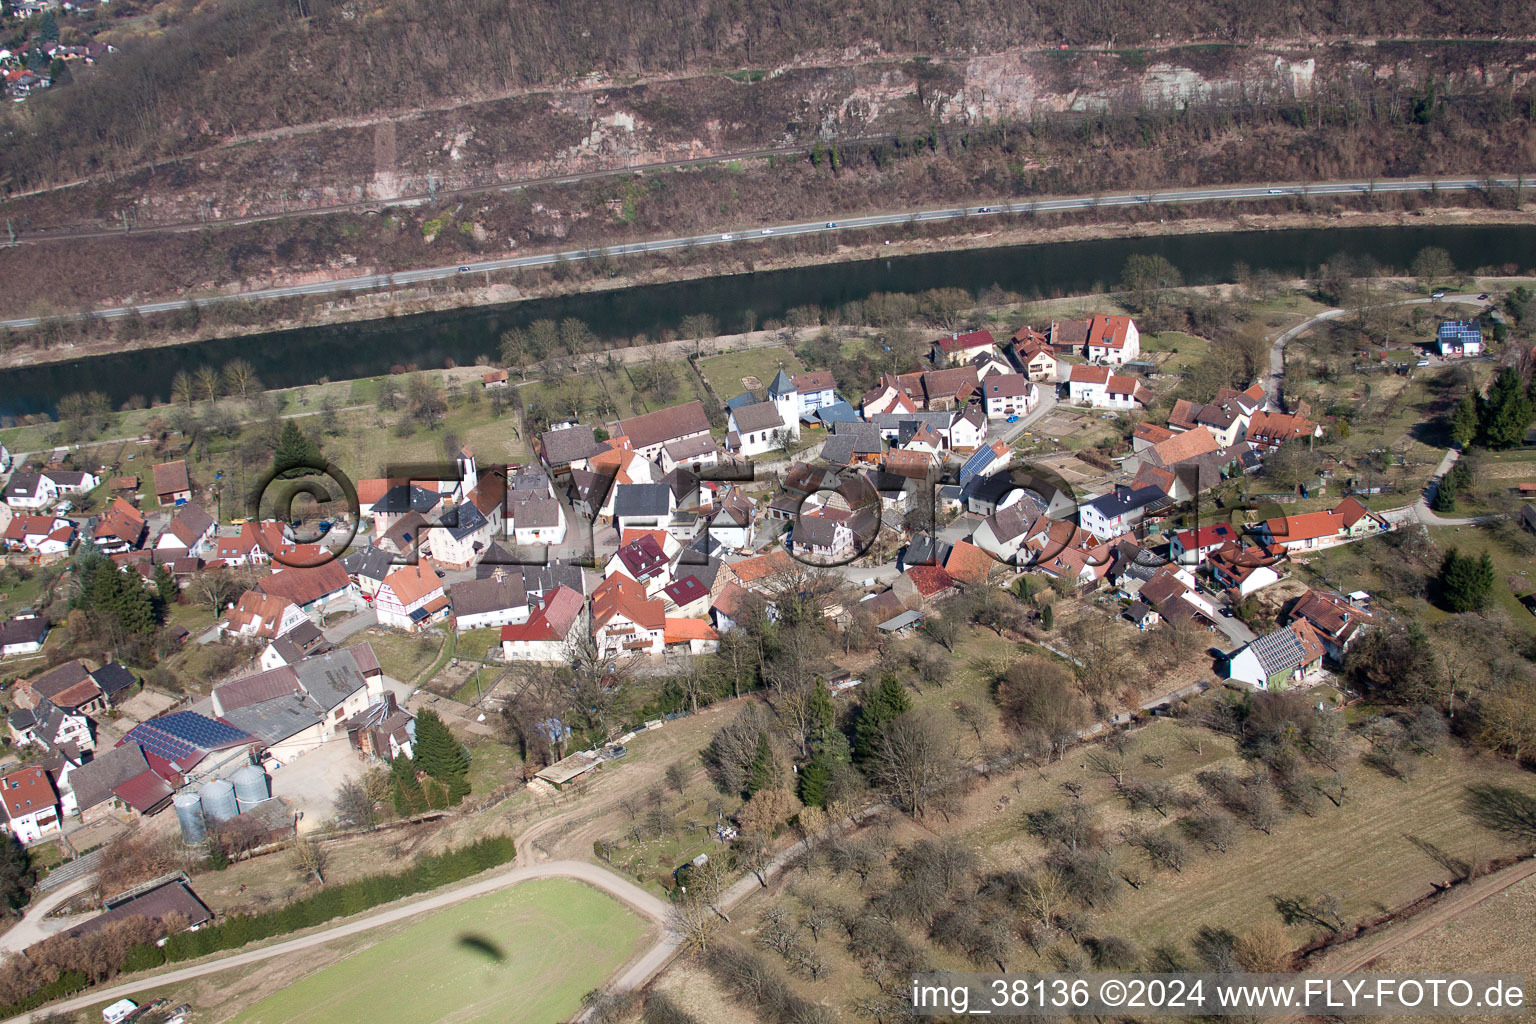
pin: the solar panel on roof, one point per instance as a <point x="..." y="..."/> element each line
<point x="178" y="736"/>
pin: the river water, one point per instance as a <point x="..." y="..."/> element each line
<point x="301" y="356"/>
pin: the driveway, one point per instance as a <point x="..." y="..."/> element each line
<point x="33" y="927"/>
<point x="309" y="782"/>
<point x="1277" y="347"/>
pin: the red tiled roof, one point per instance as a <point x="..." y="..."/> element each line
<point x="171" y="477"/>
<point x="304" y="586"/>
<point x="620" y="595"/>
<point x="761" y="567"/>
<point x="1188" y="445"/>
<point x="930" y="579"/>
<point x="968" y="563"/>
<point x="411" y="583"/>
<point x="664" y="424"/>
<point x="1109" y="331"/>
<point x="679" y="631"/>
<point x="965" y="342"/>
<point x="26" y="791"/>
<point x="1082" y="373"/>
<point x="144" y="792"/>
<point x="730" y="598"/>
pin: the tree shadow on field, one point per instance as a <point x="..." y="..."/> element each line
<point x="490" y="950"/>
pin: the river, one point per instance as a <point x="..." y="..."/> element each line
<point x="301" y="356"/>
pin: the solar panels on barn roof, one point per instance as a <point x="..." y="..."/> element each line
<point x="178" y="737"/>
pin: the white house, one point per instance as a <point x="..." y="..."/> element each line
<point x="959" y="349"/>
<point x="411" y="597"/>
<point x="731" y="525"/>
<point x="189" y="533"/>
<point x="1459" y="338"/>
<point x="695" y="454"/>
<point x="548" y="635"/>
<point x="30" y="490"/>
<point x="24" y="634"/>
<point x="42" y="535"/>
<point x="758" y="428"/>
<point x="1100" y="388"/>
<point x="968" y="430"/>
<point x="624" y="621"/>
<point x="1113" y="340"/>
<point x="259" y="615"/>
<point x="1011" y="394"/>
<point x="499" y="600"/>
<point x="824" y="535"/>
<point x="1118" y="511"/>
<point x="816" y="388"/>
<point x="31" y="805"/>
<point x="643" y="506"/>
<point x="538" y="522"/>
<point x="1289" y="656"/>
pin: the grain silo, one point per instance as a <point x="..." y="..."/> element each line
<point x="250" y="785"/>
<point x="189" y="811"/>
<point x="219" y="800"/>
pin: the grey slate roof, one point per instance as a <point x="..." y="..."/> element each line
<point x="113" y="677"/>
<point x="403" y="498"/>
<point x="330" y="678"/>
<point x="94" y="781"/>
<point x="369" y="563"/>
<point x="642" y="500"/>
<point x="849" y="440"/>
<point x="570" y="444"/>
<point x="1124" y="499"/>
<point x="762" y="416"/>
<point x="274" y="720"/>
<point x="478" y="597"/>
<point x="781" y="385"/>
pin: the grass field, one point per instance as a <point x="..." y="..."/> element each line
<point x="403" y="656"/>
<point x="724" y="372"/>
<point x="1182" y="350"/>
<point x="528" y="955"/>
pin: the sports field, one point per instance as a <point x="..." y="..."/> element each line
<point x="528" y="955"/>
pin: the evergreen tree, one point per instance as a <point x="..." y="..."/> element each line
<point x="120" y="611"/>
<point x="823" y="715"/>
<point x="407" y="793"/>
<point x="295" y="449"/>
<point x="1047" y="618"/>
<point x="441" y="756"/>
<point x="165" y="585"/>
<point x="48" y="28"/>
<point x="764" y="771"/>
<point x="814" y="778"/>
<point x="16" y="872"/>
<point x="1506" y="413"/>
<point x="888" y="701"/>
<point x="1466" y="583"/>
<point x="1464" y="422"/>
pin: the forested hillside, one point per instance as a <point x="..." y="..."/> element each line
<point x="238" y="66"/>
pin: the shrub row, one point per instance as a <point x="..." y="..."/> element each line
<point x="334" y="901"/>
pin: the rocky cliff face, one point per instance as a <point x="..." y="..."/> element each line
<point x="597" y="125"/>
